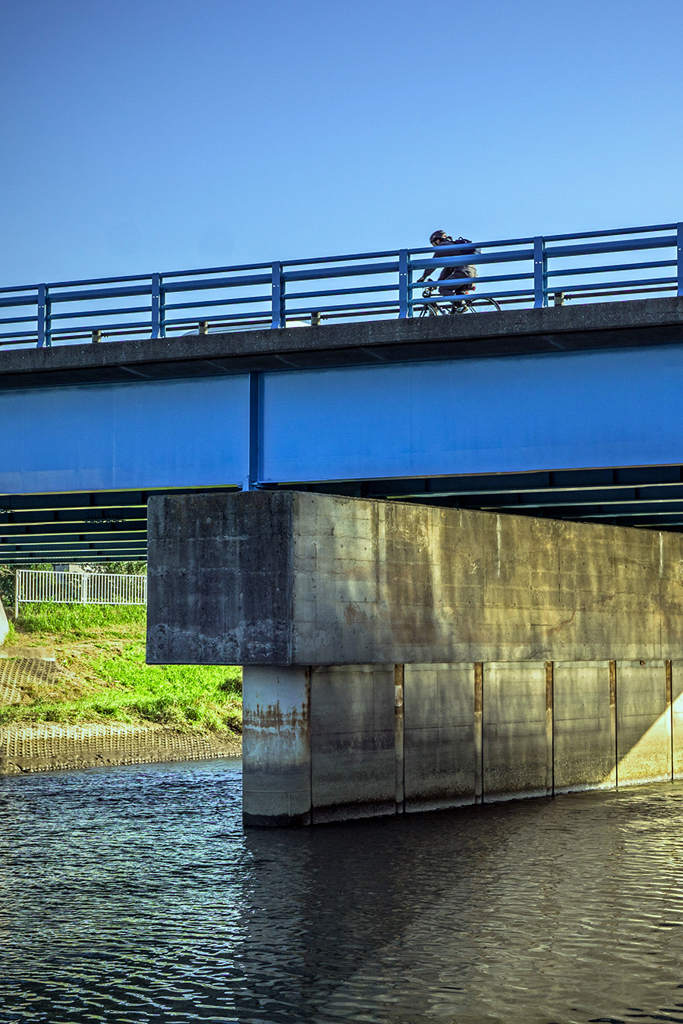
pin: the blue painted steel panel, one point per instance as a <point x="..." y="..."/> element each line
<point x="494" y="415"/>
<point x="121" y="436"/>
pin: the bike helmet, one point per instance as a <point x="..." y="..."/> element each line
<point x="437" y="236"/>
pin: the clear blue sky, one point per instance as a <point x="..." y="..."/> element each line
<point x="142" y="135"/>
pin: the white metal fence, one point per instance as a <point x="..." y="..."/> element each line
<point x="79" y="587"/>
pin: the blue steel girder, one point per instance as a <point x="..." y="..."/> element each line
<point x="494" y="415"/>
<point x="512" y="414"/>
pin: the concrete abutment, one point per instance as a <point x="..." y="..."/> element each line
<point x="400" y="658"/>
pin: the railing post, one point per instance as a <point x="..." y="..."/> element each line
<point x="251" y="481"/>
<point x="162" y="309"/>
<point x="44" y="333"/>
<point x="679" y="258"/>
<point x="84" y="588"/>
<point x="156" y="305"/>
<point x="17" y="585"/>
<point x="540" y="269"/>
<point x="278" y="297"/>
<point x="405" y="298"/>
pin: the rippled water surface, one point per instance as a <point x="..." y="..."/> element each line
<point x="133" y="895"/>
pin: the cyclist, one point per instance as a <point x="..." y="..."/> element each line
<point x="441" y="238"/>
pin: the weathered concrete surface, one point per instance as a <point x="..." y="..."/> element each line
<point x="221" y="577"/>
<point x="515" y="742"/>
<point x="584" y="727"/>
<point x="384" y="739"/>
<point x="512" y="332"/>
<point x="677" y="719"/>
<point x="353" y="757"/>
<point x="643" y="722"/>
<point x="439" y="736"/>
<point x="276" y="746"/>
<point x="287" y="578"/>
<point x="402" y="657"/>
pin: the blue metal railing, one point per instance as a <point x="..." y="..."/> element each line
<point x="517" y="272"/>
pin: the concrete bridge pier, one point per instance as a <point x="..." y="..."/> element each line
<point x="404" y="657"/>
<point x="348" y="748"/>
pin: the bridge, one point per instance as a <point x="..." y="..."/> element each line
<point x="564" y="404"/>
<point x="401" y="654"/>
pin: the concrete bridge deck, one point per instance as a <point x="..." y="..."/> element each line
<point x="595" y="326"/>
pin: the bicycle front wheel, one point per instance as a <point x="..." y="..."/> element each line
<point x="484" y="304"/>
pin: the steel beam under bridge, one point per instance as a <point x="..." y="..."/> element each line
<point x="567" y="412"/>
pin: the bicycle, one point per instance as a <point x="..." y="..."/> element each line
<point x="456" y="305"/>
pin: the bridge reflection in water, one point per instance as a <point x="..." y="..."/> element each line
<point x="133" y="895"/>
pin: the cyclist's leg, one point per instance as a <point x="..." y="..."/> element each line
<point x="466" y="273"/>
<point x="457" y="306"/>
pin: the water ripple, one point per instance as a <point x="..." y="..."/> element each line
<point x="130" y="895"/>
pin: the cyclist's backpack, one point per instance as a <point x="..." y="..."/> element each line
<point x="466" y="252"/>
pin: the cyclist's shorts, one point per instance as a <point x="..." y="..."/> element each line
<point x="467" y="271"/>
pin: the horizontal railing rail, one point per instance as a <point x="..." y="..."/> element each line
<point x="40" y="585"/>
<point x="516" y="272"/>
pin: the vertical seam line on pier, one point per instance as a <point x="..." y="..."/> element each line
<point x="670" y="717"/>
<point x="479" y="732"/>
<point x="309" y="687"/>
<point x="614" y="717"/>
<point x="399" y="738"/>
<point x="550" y="727"/>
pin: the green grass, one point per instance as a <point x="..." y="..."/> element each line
<point x="78" y="620"/>
<point x="103" y="677"/>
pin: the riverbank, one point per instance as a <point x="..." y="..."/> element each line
<point x="46" y="747"/>
<point x="75" y="692"/>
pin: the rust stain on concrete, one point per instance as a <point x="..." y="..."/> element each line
<point x="561" y="625"/>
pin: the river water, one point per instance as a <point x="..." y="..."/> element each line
<point x="133" y="894"/>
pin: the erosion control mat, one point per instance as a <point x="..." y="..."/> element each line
<point x="16" y="673"/>
<point x="48" y="747"/>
